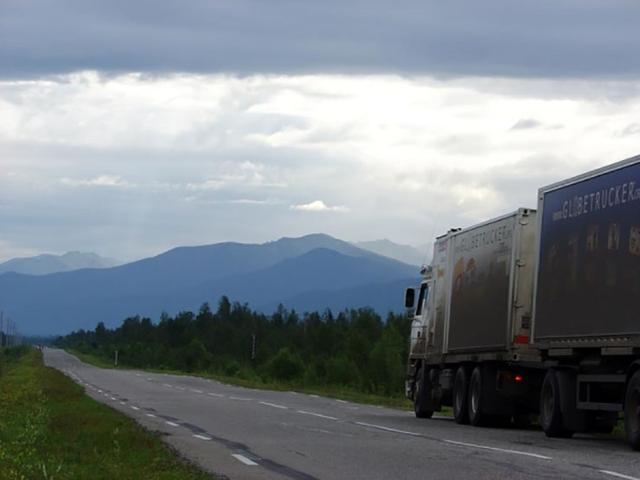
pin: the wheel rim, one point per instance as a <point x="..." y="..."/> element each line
<point x="475" y="400"/>
<point x="458" y="404"/>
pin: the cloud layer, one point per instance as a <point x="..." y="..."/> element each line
<point x="525" y="38"/>
<point x="131" y="165"/>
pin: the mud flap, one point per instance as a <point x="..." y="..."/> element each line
<point x="572" y="418"/>
<point x="494" y="402"/>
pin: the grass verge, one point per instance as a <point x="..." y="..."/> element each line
<point x="49" y="429"/>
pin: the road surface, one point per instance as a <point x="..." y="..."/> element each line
<point x="260" y="434"/>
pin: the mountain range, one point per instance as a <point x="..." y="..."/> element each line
<point x="404" y="253"/>
<point x="48" y="263"/>
<point x="313" y="272"/>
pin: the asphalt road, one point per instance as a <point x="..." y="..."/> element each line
<point x="260" y="434"/>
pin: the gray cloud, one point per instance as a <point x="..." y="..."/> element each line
<point x="631" y="129"/>
<point x="531" y="38"/>
<point x="525" y="124"/>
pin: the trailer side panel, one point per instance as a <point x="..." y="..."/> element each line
<point x="588" y="282"/>
<point x="480" y="286"/>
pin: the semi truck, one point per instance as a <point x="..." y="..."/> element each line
<point x="536" y="312"/>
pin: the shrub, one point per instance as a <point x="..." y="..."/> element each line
<point x="286" y="366"/>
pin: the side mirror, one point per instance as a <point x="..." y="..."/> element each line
<point x="409" y="297"/>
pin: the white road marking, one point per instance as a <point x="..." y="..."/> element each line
<point x="495" y="449"/>
<point x="240" y="398"/>
<point x="388" y="429"/>
<point x="202" y="437"/>
<point x="618" y="475"/>
<point x="274" y="405"/>
<point x="181" y="388"/>
<point x="122" y="403"/>
<point x="113" y="398"/>
<point x="150" y="415"/>
<point x="244" y="459"/>
<point x="196" y="391"/>
<point x="167" y="385"/>
<point x="314" y="396"/>
<point x="341" y="401"/>
<point x="138" y="374"/>
<point x="134" y="407"/>
<point x="215" y="394"/>
<point x="303" y="412"/>
<point x="172" y="424"/>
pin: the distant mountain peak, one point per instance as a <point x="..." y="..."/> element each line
<point x="47" y="263"/>
<point x="404" y="253"/>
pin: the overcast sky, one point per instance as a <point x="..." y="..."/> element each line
<point x="127" y="128"/>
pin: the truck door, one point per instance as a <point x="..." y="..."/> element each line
<point x="419" y="326"/>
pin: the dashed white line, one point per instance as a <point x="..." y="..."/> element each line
<point x="341" y="401"/>
<point x="219" y="395"/>
<point x="618" y="475"/>
<point x="495" y="449"/>
<point x="171" y="424"/>
<point x="167" y="385"/>
<point x="150" y="415"/>
<point x="122" y="403"/>
<point x="134" y="407"/>
<point x="388" y="429"/>
<point x="304" y="412"/>
<point x="274" y="405"/>
<point x="240" y="398"/>
<point x="196" y="391"/>
<point x="314" y="396"/>
<point x="244" y="459"/>
<point x="202" y="437"/>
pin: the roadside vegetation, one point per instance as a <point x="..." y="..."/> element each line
<point x="49" y="429"/>
<point x="355" y="354"/>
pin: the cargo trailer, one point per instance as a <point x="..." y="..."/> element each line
<point x="537" y="312"/>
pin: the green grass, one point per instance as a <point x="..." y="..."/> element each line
<point x="49" y="429"/>
<point x="342" y="393"/>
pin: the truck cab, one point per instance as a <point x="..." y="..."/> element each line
<point x="421" y="310"/>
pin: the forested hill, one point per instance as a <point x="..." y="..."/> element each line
<point x="355" y="348"/>
<point x="307" y="273"/>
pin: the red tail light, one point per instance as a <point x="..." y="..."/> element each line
<point x="518" y="378"/>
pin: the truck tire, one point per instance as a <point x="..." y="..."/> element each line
<point x="460" y="396"/>
<point x="421" y="395"/>
<point x="632" y="411"/>
<point x="474" y="399"/>
<point x="550" y="408"/>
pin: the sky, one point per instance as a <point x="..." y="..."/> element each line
<point x="128" y="128"/>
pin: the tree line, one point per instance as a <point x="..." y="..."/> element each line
<point x="354" y="348"/>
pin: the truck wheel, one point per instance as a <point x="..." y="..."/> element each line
<point x="632" y="411"/>
<point x="421" y="395"/>
<point x="550" y="412"/>
<point x="460" y="395"/>
<point x="474" y="400"/>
